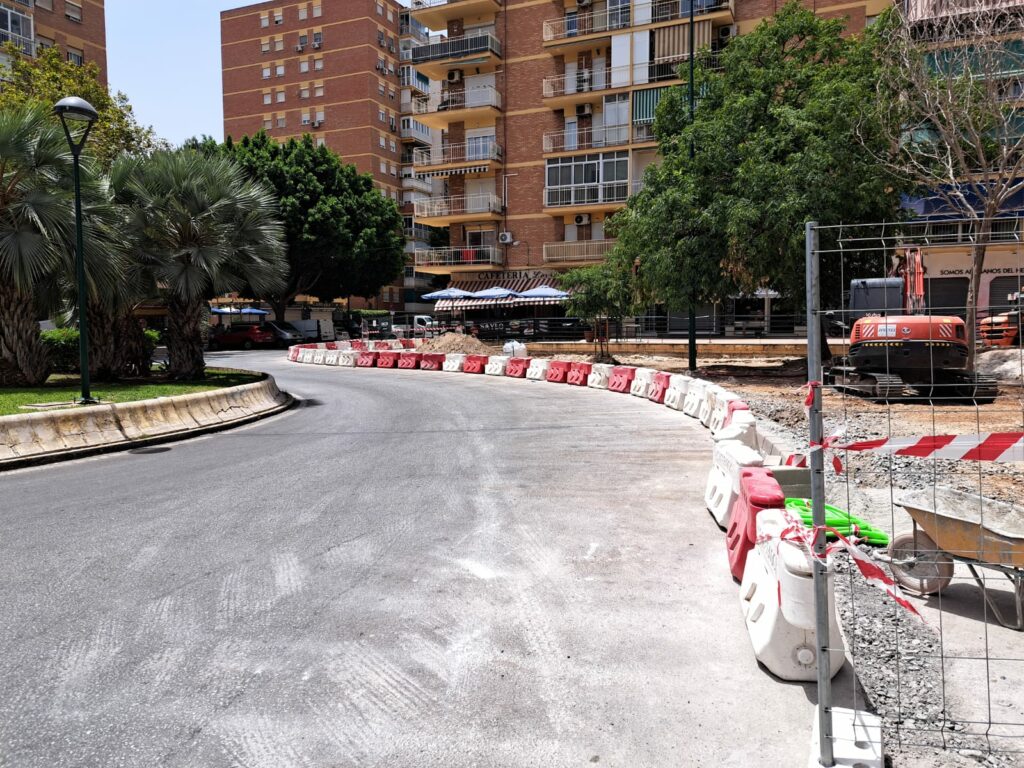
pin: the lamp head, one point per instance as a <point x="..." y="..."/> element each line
<point x="77" y="109"/>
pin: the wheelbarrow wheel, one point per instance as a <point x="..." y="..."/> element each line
<point x="919" y="565"/>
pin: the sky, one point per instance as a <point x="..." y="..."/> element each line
<point x="166" y="58"/>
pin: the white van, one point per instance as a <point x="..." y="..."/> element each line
<point x="315" y="330"/>
<point x="415" y="327"/>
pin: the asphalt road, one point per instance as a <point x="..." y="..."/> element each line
<point x="412" y="569"/>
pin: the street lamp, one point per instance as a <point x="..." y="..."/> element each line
<point x="74" y="111"/>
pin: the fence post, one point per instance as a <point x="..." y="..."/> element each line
<point x="816" y="462"/>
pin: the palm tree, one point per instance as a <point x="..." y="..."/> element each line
<point x="199" y="227"/>
<point x="37" y="227"/>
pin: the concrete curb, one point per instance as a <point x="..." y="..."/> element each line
<point x="49" y="436"/>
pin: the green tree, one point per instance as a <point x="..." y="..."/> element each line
<point x="602" y="295"/>
<point x="778" y="139"/>
<point x="344" y="238"/>
<point x="199" y="226"/>
<point x="37" y="236"/>
<point x="49" y="77"/>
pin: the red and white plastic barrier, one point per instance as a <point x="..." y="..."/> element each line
<point x="759" y="490"/>
<point x="331" y="357"/>
<point x="579" y="373"/>
<point x="517" y="367"/>
<point x="729" y="458"/>
<point x="409" y="360"/>
<point x="621" y="379"/>
<point x="600" y="375"/>
<point x="367" y="359"/>
<point x="388" y="359"/>
<point x="777" y="598"/>
<point x="726" y="403"/>
<point x="642" y="379"/>
<point x="474" y="364"/>
<point x="538" y="370"/>
<point x="743" y="427"/>
<point x="676" y="394"/>
<point x="453" y="363"/>
<point x="694" y="398"/>
<point x="658" y="387"/>
<point x="558" y="371"/>
<point x="432" y="361"/>
<point x="496" y="365"/>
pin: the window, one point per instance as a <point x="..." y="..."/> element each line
<point x="279" y="44"/>
<point x="267" y="98"/>
<point x="383" y="167"/>
<point x="380" y="115"/>
<point x="318" y="64"/>
<point x="391" y="95"/>
<point x="320" y="117"/>
<point x="305" y="118"/>
<point x="281" y="122"/>
<point x="266" y="73"/>
<point x="73" y="11"/>
<point x="318" y="90"/>
<point x="380" y="38"/>
<point x="383" y="142"/>
<point x="264" y="21"/>
<point x="380" y="9"/>
<point x="278" y="17"/>
<point x="391" y="15"/>
<point x="268" y="124"/>
<point x="320" y="141"/>
<point x="318" y="39"/>
<point x="394" y="147"/>
<point x="317" y="11"/>
<point x="303" y="39"/>
<point x="46" y="5"/>
<point x="75" y="56"/>
<point x="44" y="42"/>
<point x="304" y="65"/>
<point x="381" y="88"/>
<point x="265" y="46"/>
<point x="394" y="170"/>
<point x="304" y="93"/>
<point x="303" y="12"/>
<point x="280" y="97"/>
<point x="280" y="70"/>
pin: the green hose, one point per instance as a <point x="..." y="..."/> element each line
<point x="841" y="521"/>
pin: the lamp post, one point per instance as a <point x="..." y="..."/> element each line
<point x="77" y="112"/>
<point x="691" y="330"/>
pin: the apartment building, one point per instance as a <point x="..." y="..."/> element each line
<point x="546" y="110"/>
<point x="77" y="27"/>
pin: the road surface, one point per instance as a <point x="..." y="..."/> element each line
<point x="411" y="569"/>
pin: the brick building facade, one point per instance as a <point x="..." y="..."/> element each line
<point x="77" y="27"/>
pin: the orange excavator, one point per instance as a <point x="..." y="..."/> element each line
<point x="1002" y="330"/>
<point x="896" y="352"/>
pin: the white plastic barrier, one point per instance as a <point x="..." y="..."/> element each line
<point x="331" y="357"/>
<point x="743" y="428"/>
<point x="723" y="486"/>
<point x="694" y="398"/>
<point x="453" y="363"/>
<point x="343" y="345"/>
<point x="720" y="410"/>
<point x="641" y="382"/>
<point x="711" y="395"/>
<point x="348" y="357"/>
<point x="496" y="365"/>
<point x="599" y="375"/>
<point x="306" y="355"/>
<point x="777" y="597"/>
<point x="538" y="370"/>
<point x="675" y="396"/>
<point x="318" y="356"/>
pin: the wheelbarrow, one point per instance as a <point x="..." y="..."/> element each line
<point x="955" y="527"/>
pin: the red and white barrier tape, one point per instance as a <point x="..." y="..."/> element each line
<point x="988" y="446"/>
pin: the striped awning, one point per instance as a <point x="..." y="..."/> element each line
<point x="453" y="171"/>
<point x="645" y="103"/>
<point x="520" y="285"/>
<point x="674" y="42"/>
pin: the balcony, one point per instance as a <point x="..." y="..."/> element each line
<point x="580" y="29"/>
<point x="479" y="105"/>
<point x="475" y="156"/>
<point x="410" y="78"/>
<point x="418" y="233"/>
<point x="588" y="198"/>
<point x="435" y="14"/>
<point x="466" y="258"/>
<point x="586" y="138"/>
<point x="577" y="252"/>
<point x="442" y="211"/>
<point x="481" y="51"/>
<point x="25" y="44"/>
<point x="417" y="184"/>
<point x="562" y="91"/>
<point x="413" y="130"/>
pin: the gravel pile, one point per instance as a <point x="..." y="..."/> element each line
<point x="1005" y="364"/>
<point x="456" y="343"/>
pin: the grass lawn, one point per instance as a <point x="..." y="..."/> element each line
<point x="64" y="388"/>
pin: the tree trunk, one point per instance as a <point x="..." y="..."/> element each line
<point x="185" y="340"/>
<point x="103" y="346"/>
<point x="279" y="307"/>
<point x="134" y="358"/>
<point x="974" y="288"/>
<point x="21" y="347"/>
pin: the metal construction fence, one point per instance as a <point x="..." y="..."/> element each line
<point x="921" y="439"/>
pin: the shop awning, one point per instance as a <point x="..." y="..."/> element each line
<point x="519" y="286"/>
<point x="645" y="103"/>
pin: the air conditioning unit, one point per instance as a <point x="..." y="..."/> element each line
<point x="300" y="48"/>
<point x="583" y="110"/>
<point x="317" y="123"/>
<point x="317" y="46"/>
<point x="455" y="76"/>
<point x="505" y="238"/>
<point x="581" y="219"/>
<point x="583" y="79"/>
<point x="727" y="32"/>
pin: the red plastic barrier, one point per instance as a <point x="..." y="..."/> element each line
<point x="358" y="345"/>
<point x="759" y="490"/>
<point x="388" y="359"/>
<point x="332" y="345"/>
<point x="621" y="378"/>
<point x="293" y="354"/>
<point x="409" y="360"/>
<point x="517" y="366"/>
<point x="733" y="406"/>
<point x="367" y="359"/>
<point x="579" y="373"/>
<point x="382" y="346"/>
<point x="431" y="361"/>
<point x="659" y="386"/>
<point x="558" y="371"/>
<point x="474" y="363"/>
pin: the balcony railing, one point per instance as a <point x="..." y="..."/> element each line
<point x="590" y="194"/>
<point x="418" y="232"/>
<point x="419" y="4"/>
<point x="416" y="131"/>
<point x="589" y="80"/>
<point x="471" y="151"/>
<point x="25" y="44"/>
<point x="586" y="138"/>
<point x="612" y="19"/>
<point x="469" y="98"/>
<point x="463" y="205"/>
<point x="457" y="47"/>
<point x="417" y="184"/>
<point x="414" y="30"/>
<point x="579" y="250"/>
<point x="459" y="256"/>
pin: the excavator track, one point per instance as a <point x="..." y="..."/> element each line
<point x="978" y="387"/>
<point x="877" y="386"/>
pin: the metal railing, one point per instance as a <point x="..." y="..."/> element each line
<point x="417" y="184"/>
<point x="579" y="250"/>
<point x="586" y="138"/>
<point x="469" y="98"/>
<point x="418" y="232"/>
<point x="575" y="25"/>
<point x="590" y="194"/>
<point x="590" y="80"/>
<point x="467" y="152"/>
<point x="25" y="44"/>
<point x="460" y="256"/>
<point x="461" y="205"/>
<point x="457" y="47"/>
<point x="420" y="4"/>
<point x="416" y="131"/>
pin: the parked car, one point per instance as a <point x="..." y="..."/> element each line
<point x="239" y="336"/>
<point x="314" y="330"/>
<point x="285" y="334"/>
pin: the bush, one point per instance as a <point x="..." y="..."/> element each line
<point x="62" y="346"/>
